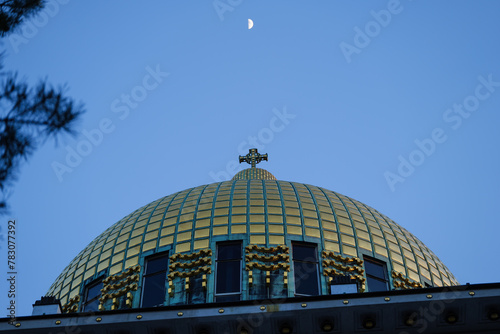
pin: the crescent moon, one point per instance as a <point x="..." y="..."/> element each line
<point x="250" y="24"/>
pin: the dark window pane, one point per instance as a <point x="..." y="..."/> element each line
<point x="229" y="252"/>
<point x="156" y="265"/>
<point x="229" y="298"/>
<point x="340" y="279"/>
<point x="375" y="269"/>
<point x="306" y="278"/>
<point x="228" y="277"/>
<point x="304" y="253"/>
<point x="93" y="291"/>
<point x="375" y="284"/>
<point x="92" y="306"/>
<point x="154" y="290"/>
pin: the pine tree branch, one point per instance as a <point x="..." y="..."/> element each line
<point x="28" y="116"/>
<point x="13" y="12"/>
<point x="22" y="121"/>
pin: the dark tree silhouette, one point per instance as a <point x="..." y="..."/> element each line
<point x="28" y="115"/>
<point x="13" y="12"/>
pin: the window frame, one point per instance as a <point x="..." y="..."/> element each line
<point x="146" y="276"/>
<point x="90" y="285"/>
<point x="345" y="282"/>
<point x="384" y="267"/>
<point x="316" y="262"/>
<point x="217" y="261"/>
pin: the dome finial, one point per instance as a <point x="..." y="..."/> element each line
<point x="253" y="157"/>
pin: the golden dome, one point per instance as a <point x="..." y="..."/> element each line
<point x="254" y="174"/>
<point x="260" y="212"/>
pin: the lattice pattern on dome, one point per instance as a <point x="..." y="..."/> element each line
<point x="254" y="174"/>
<point x="260" y="212"/>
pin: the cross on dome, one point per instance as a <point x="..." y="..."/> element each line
<point x="253" y="157"/>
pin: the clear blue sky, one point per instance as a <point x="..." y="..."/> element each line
<point x="359" y="88"/>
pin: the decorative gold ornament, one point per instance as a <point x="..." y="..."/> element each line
<point x="338" y="265"/>
<point x="204" y="282"/>
<point x="400" y="281"/>
<point x="197" y="263"/>
<point x="276" y="258"/>
<point x="263" y="258"/>
<point x="118" y="293"/>
<point x="129" y="299"/>
<point x="342" y="259"/>
<point x="119" y="284"/>
<point x="344" y="268"/>
<point x="203" y="252"/>
<point x="171" y="289"/>
<point x="72" y="305"/>
<point x="204" y="269"/>
<point x="284" y="266"/>
<point x="272" y="250"/>
<point x="125" y="273"/>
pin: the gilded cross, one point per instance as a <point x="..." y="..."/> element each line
<point x="253" y="157"/>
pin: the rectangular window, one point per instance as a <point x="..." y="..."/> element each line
<point x="376" y="275"/>
<point x="228" y="278"/>
<point x="305" y="270"/>
<point x="343" y="284"/>
<point x="92" y="295"/>
<point x="154" y="280"/>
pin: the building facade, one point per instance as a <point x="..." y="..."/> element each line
<point x="292" y="249"/>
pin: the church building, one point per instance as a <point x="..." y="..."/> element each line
<point x="259" y="255"/>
